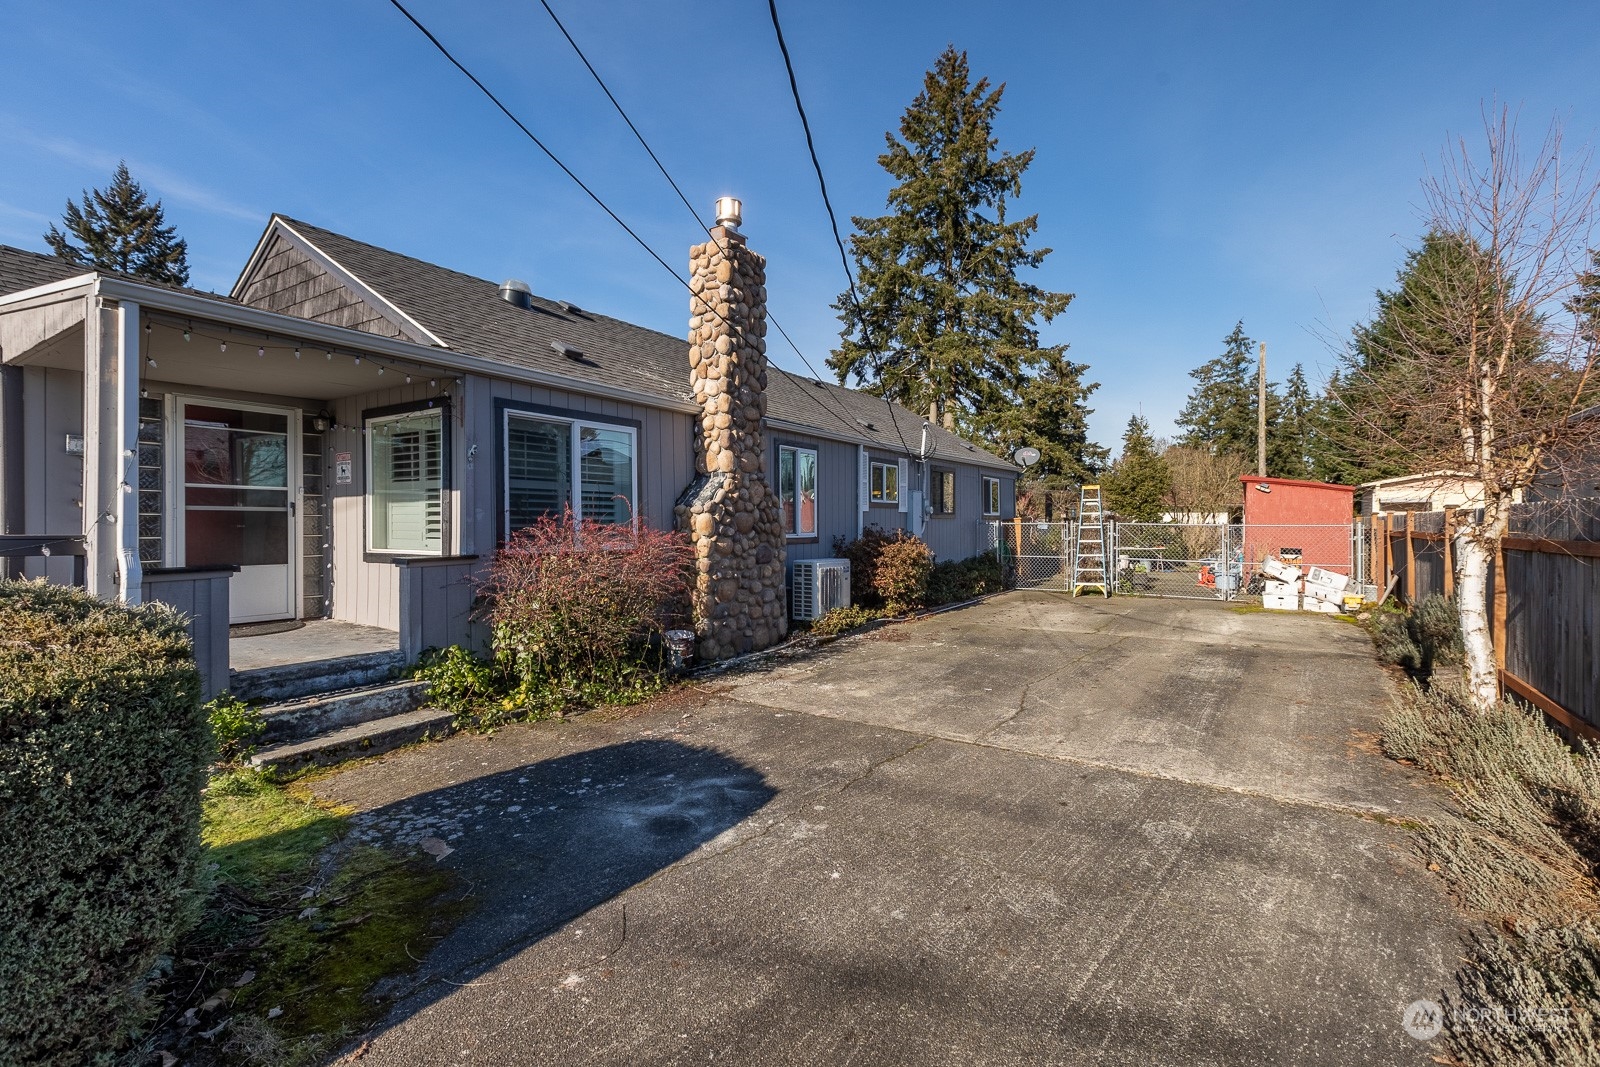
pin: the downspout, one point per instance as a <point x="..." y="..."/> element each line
<point x="130" y="570"/>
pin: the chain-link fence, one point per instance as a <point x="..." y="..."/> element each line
<point x="1170" y="559"/>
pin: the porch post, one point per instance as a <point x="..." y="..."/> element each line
<point x="129" y="354"/>
<point x="111" y="451"/>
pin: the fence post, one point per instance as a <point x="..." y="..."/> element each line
<point x="1497" y="610"/>
<point x="1411" y="563"/>
<point x="1449" y="566"/>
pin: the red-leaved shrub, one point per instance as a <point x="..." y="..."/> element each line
<point x="575" y="603"/>
<point x="901" y="576"/>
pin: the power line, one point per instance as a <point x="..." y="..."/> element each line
<point x="833" y="220"/>
<point x="681" y="196"/>
<point x="437" y="44"/>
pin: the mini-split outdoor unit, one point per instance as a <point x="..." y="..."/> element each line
<point x="817" y="586"/>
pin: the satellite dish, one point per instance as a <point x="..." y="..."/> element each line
<point x="1026" y="456"/>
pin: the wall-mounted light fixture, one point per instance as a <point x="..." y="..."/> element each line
<point x="321" y="421"/>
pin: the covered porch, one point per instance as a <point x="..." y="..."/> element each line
<point x="166" y="445"/>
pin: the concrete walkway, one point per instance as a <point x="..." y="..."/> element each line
<point x="1033" y="832"/>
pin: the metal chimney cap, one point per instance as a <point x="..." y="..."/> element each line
<point x="729" y="212"/>
<point x="515" y="291"/>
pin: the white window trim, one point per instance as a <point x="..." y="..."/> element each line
<point x="816" y="465"/>
<point x="876" y="467"/>
<point x="371" y="475"/>
<point x="995" y="496"/>
<point x="575" y="428"/>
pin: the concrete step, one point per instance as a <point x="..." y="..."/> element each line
<point x="295" y="680"/>
<point x="296" y="720"/>
<point x="354" y="742"/>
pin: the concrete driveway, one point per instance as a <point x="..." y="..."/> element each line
<point x="1036" y="831"/>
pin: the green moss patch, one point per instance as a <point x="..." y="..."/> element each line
<point x="300" y="927"/>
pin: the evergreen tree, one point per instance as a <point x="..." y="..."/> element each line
<point x="1220" y="415"/>
<point x="1139" y="484"/>
<point x="1371" y="434"/>
<point x="120" y="229"/>
<point x="1052" y="415"/>
<point x="944" y="324"/>
<point x="1292" y="445"/>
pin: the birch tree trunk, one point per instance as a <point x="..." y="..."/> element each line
<point x="1473" y="554"/>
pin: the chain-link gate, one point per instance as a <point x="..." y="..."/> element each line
<point x="1172" y="559"/>
<point x="1036" y="555"/>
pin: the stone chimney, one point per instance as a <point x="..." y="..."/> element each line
<point x="730" y="511"/>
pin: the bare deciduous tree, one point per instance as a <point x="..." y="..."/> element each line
<point x="1488" y="369"/>
<point x="1203" y="483"/>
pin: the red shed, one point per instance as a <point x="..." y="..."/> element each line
<point x="1308" y="523"/>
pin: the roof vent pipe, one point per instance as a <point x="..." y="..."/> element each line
<point x="516" y="292"/>
<point x="730" y="213"/>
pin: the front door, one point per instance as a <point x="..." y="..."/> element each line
<point x="238" y="501"/>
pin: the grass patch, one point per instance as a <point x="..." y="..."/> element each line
<point x="300" y="927"/>
<point x="1520" y="852"/>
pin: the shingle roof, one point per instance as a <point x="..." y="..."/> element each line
<point x="468" y="314"/>
<point x="21" y="269"/>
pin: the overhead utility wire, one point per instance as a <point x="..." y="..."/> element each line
<point x="677" y="189"/>
<point x="833" y="221"/>
<point x="576" y="180"/>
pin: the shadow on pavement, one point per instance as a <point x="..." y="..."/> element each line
<point x="540" y="845"/>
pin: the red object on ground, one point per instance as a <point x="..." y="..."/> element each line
<point x="1307" y="523"/>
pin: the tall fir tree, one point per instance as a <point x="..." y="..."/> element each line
<point x="1220" y="415"/>
<point x="121" y="229"/>
<point x="1051" y="414"/>
<point x="1139" y="484"/>
<point x="944" y="325"/>
<point x="1369" y="433"/>
<point x="1291" y="448"/>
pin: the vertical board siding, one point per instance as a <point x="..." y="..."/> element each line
<point x="959" y="535"/>
<point x="52" y="480"/>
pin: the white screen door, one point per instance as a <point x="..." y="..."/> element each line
<point x="238" y="503"/>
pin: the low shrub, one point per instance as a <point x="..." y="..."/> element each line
<point x="103" y="754"/>
<point x="953" y="581"/>
<point x="235" y="726"/>
<point x="863" y="555"/>
<point x="1419" y="640"/>
<point x="842" y="620"/>
<point x="578" y="607"/>
<point x="901" y="576"/>
<point x="1521" y="850"/>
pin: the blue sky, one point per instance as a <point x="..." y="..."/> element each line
<point x="1196" y="164"/>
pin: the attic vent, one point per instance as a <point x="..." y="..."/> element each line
<point x="516" y="292"/>
<point x="566" y="350"/>
<point x="569" y="307"/>
<point x="868" y="424"/>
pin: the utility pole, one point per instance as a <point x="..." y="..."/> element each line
<point x="1261" y="413"/>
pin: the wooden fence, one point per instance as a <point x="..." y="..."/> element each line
<point x="1545" y="616"/>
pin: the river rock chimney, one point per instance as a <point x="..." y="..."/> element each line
<point x="730" y="511"/>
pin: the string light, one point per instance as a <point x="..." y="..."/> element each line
<point x="223" y="345"/>
<point x="150" y="361"/>
<point x="330" y="355"/>
<point x="186" y="333"/>
<point x="358" y="361"/>
<point x="380" y="368"/>
<point x="408" y="379"/>
<point x="433" y="383"/>
<point x="261" y="350"/>
<point x="296" y="351"/>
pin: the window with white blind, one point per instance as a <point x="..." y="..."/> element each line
<point x="406" y="475"/>
<point x="552" y="464"/>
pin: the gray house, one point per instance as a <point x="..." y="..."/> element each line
<point x="349" y="420"/>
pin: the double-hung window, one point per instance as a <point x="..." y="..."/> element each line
<point x="885" y="483"/>
<point x="797" y="490"/>
<point x="552" y="464"/>
<point x="406" y="474"/>
<point x="991" y="495"/>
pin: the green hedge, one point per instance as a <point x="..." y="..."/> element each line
<point x="103" y="755"/>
